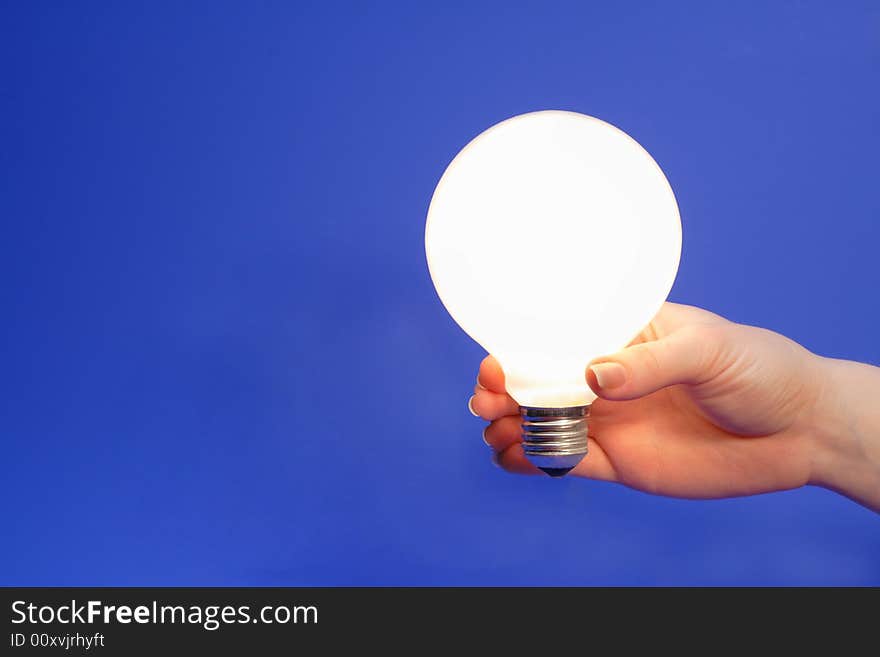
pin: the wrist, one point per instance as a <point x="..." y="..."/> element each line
<point x="826" y="421"/>
<point x="845" y="430"/>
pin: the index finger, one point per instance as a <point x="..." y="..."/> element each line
<point x="491" y="376"/>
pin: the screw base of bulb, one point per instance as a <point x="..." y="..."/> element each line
<point x="555" y="439"/>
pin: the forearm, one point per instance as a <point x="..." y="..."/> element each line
<point x="846" y="455"/>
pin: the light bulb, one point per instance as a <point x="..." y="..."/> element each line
<point x="552" y="238"/>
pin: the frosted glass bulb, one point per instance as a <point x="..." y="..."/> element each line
<point x="552" y="238"/>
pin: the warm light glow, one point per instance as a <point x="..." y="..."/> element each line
<point x="552" y="238"/>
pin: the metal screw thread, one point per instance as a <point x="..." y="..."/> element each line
<point x="555" y="439"/>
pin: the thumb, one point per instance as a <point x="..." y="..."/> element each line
<point x="685" y="356"/>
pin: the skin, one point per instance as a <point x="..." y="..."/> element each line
<point x="700" y="407"/>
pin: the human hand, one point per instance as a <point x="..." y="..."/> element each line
<point x="697" y="406"/>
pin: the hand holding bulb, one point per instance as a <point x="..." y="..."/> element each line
<point x="700" y="407"/>
<point x="553" y="239"/>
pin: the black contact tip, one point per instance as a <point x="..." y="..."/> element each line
<point x="556" y="472"/>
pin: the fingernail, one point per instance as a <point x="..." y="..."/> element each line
<point x="480" y="385"/>
<point x="609" y="375"/>
<point x="471" y="407"/>
<point x="495" y="460"/>
<point x="484" y="438"/>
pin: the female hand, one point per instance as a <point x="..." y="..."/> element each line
<point x="697" y="406"/>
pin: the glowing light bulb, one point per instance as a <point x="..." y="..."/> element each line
<point x="553" y="238"/>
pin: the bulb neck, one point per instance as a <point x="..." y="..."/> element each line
<point x="555" y="439"/>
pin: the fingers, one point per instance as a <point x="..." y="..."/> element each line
<point x="491" y="376"/>
<point x="490" y="400"/>
<point x="503" y="433"/>
<point x="504" y="436"/>
<point x="514" y="460"/>
<point x="689" y="355"/>
<point x="492" y="405"/>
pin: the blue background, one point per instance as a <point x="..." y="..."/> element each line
<point x="223" y="361"/>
